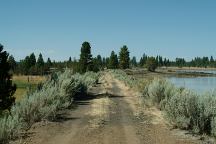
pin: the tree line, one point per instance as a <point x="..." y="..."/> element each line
<point x="32" y="66"/>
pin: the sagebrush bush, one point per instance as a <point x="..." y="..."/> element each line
<point x="184" y="108"/>
<point x="156" y="91"/>
<point x="55" y="94"/>
<point x="207" y="106"/>
<point x="159" y="91"/>
<point x="9" y="127"/>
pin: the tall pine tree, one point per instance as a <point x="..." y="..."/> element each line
<point x="32" y="60"/>
<point x="40" y="64"/>
<point x="124" y="58"/>
<point x="40" y="61"/>
<point x="12" y="63"/>
<point x="134" y="62"/>
<point x="113" y="61"/>
<point x="100" y="62"/>
<point x="7" y="89"/>
<point x="85" y="58"/>
<point x="49" y="62"/>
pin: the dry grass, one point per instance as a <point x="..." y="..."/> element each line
<point x="32" y="79"/>
<point x="23" y="82"/>
<point x="20" y="92"/>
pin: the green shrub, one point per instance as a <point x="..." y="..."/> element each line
<point x="182" y="109"/>
<point x="9" y="127"/>
<point x="156" y="91"/>
<point x="159" y="92"/>
<point x="207" y="105"/>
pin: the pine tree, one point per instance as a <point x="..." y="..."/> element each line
<point x="165" y="62"/>
<point x="145" y="57"/>
<point x="134" y="62"/>
<point x="85" y="58"/>
<point x="70" y="60"/>
<point x="212" y="61"/>
<point x="157" y="60"/>
<point x="26" y="65"/>
<point x="32" y="60"/>
<point x="143" y="60"/>
<point x="160" y="61"/>
<point x="180" y="62"/>
<point x="124" y="58"/>
<point x="151" y="64"/>
<point x="40" y="61"/>
<point x="48" y="65"/>
<point x="95" y="65"/>
<point x="7" y="89"/>
<point x="113" y="61"/>
<point x="104" y="62"/>
<point x="49" y="62"/>
<point x="32" y="64"/>
<point x="107" y="62"/>
<point x="12" y="63"/>
<point x="99" y="62"/>
<point x="40" y="64"/>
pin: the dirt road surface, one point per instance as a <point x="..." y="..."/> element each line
<point x="113" y="114"/>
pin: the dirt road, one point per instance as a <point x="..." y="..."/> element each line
<point x="113" y="115"/>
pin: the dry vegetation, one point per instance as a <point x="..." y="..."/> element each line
<point x="24" y="83"/>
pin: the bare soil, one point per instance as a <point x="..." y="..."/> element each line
<point x="113" y="114"/>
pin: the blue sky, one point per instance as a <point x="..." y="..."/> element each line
<point x="57" y="28"/>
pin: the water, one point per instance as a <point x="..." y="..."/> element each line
<point x="199" y="84"/>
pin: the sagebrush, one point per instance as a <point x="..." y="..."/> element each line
<point x="55" y="94"/>
<point x="184" y="108"/>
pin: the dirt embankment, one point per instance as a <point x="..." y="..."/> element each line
<point x="113" y="115"/>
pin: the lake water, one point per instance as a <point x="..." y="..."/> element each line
<point x="199" y="84"/>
